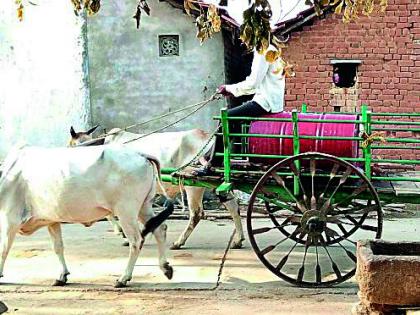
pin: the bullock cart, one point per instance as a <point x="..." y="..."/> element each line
<point x="317" y="184"/>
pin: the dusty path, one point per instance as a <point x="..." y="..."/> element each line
<point x="96" y="258"/>
<point x="179" y="302"/>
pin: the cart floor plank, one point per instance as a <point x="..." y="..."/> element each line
<point x="405" y="187"/>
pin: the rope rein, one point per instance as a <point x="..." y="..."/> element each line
<point x="199" y="106"/>
<point x="199" y="153"/>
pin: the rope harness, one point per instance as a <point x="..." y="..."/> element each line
<point x="369" y="139"/>
<point x="197" y="107"/>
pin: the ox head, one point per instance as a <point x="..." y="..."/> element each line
<point x="80" y="137"/>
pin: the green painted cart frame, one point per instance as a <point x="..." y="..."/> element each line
<point x="306" y="211"/>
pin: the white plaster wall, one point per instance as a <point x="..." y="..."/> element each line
<point x="131" y="83"/>
<point x="43" y="74"/>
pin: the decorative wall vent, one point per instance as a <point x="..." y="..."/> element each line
<point x="168" y="45"/>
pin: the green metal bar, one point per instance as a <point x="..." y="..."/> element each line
<point x="332" y="121"/>
<point x="290" y="120"/>
<point x="396" y="129"/>
<point x="377" y="178"/>
<point x="331" y="138"/>
<point x="367" y="152"/>
<point x="396" y="179"/>
<point x="226" y="144"/>
<point x="395" y="147"/>
<point x="406" y="162"/>
<point x="188" y="182"/>
<point x="296" y="149"/>
<point x="393" y="122"/>
<point x="254" y="135"/>
<point x="403" y="140"/>
<point x="270" y="156"/>
<point x="397" y="114"/>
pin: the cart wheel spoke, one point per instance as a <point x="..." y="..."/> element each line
<point x="333" y="263"/>
<point x="318" y="267"/>
<point x="301" y="271"/>
<point x="297" y="173"/>
<point x="282" y="183"/>
<point x="313" y="172"/>
<point x="349" y="253"/>
<point x="311" y="218"/>
<point x="333" y="173"/>
<point x="355" y="193"/>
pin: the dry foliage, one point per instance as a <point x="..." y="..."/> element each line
<point x="91" y="6"/>
<point x="19" y="9"/>
<point x="208" y="22"/>
<point x="351" y="9"/>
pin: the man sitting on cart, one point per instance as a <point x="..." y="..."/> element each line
<point x="267" y="82"/>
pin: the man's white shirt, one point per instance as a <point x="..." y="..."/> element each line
<point x="266" y="81"/>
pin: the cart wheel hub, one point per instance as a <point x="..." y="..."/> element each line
<point x="313" y="222"/>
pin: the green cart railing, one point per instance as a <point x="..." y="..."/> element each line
<point x="307" y="210"/>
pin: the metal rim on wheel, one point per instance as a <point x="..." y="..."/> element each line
<point x="314" y="208"/>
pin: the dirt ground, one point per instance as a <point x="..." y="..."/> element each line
<point x="96" y="258"/>
<point x="179" y="302"/>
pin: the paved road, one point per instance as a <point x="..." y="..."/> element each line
<point x="96" y="258"/>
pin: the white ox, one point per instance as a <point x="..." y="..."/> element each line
<point x="46" y="187"/>
<point x="173" y="150"/>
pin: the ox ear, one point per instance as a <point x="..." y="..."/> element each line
<point x="73" y="133"/>
<point x="91" y="130"/>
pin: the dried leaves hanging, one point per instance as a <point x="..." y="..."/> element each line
<point x="351" y="9"/>
<point x="189" y="6"/>
<point x="91" y="6"/>
<point x="207" y="23"/>
<point x="255" y="32"/>
<point x="19" y="10"/>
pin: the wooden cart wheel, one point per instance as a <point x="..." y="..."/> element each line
<point x="305" y="215"/>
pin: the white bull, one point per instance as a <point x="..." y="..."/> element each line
<point x="174" y="149"/>
<point x="45" y="187"/>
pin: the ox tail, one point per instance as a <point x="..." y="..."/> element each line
<point x="153" y="223"/>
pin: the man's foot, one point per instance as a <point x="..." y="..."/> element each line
<point x="203" y="171"/>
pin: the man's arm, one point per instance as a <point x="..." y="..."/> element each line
<point x="258" y="71"/>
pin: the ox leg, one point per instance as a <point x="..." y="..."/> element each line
<point x="117" y="228"/>
<point x="195" y="205"/>
<point x="131" y="229"/>
<point x="114" y="223"/>
<point x="232" y="205"/>
<point x="160" y="236"/>
<point x="8" y="233"/>
<point x="57" y="243"/>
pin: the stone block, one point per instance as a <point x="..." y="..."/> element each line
<point x="388" y="272"/>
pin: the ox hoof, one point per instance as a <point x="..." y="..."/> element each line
<point x="59" y="283"/>
<point x="236" y="245"/>
<point x="175" y="246"/>
<point x="125" y="243"/>
<point x="120" y="284"/>
<point x="169" y="271"/>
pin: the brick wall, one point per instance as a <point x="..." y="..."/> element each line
<point x="388" y="44"/>
<point x="388" y="78"/>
